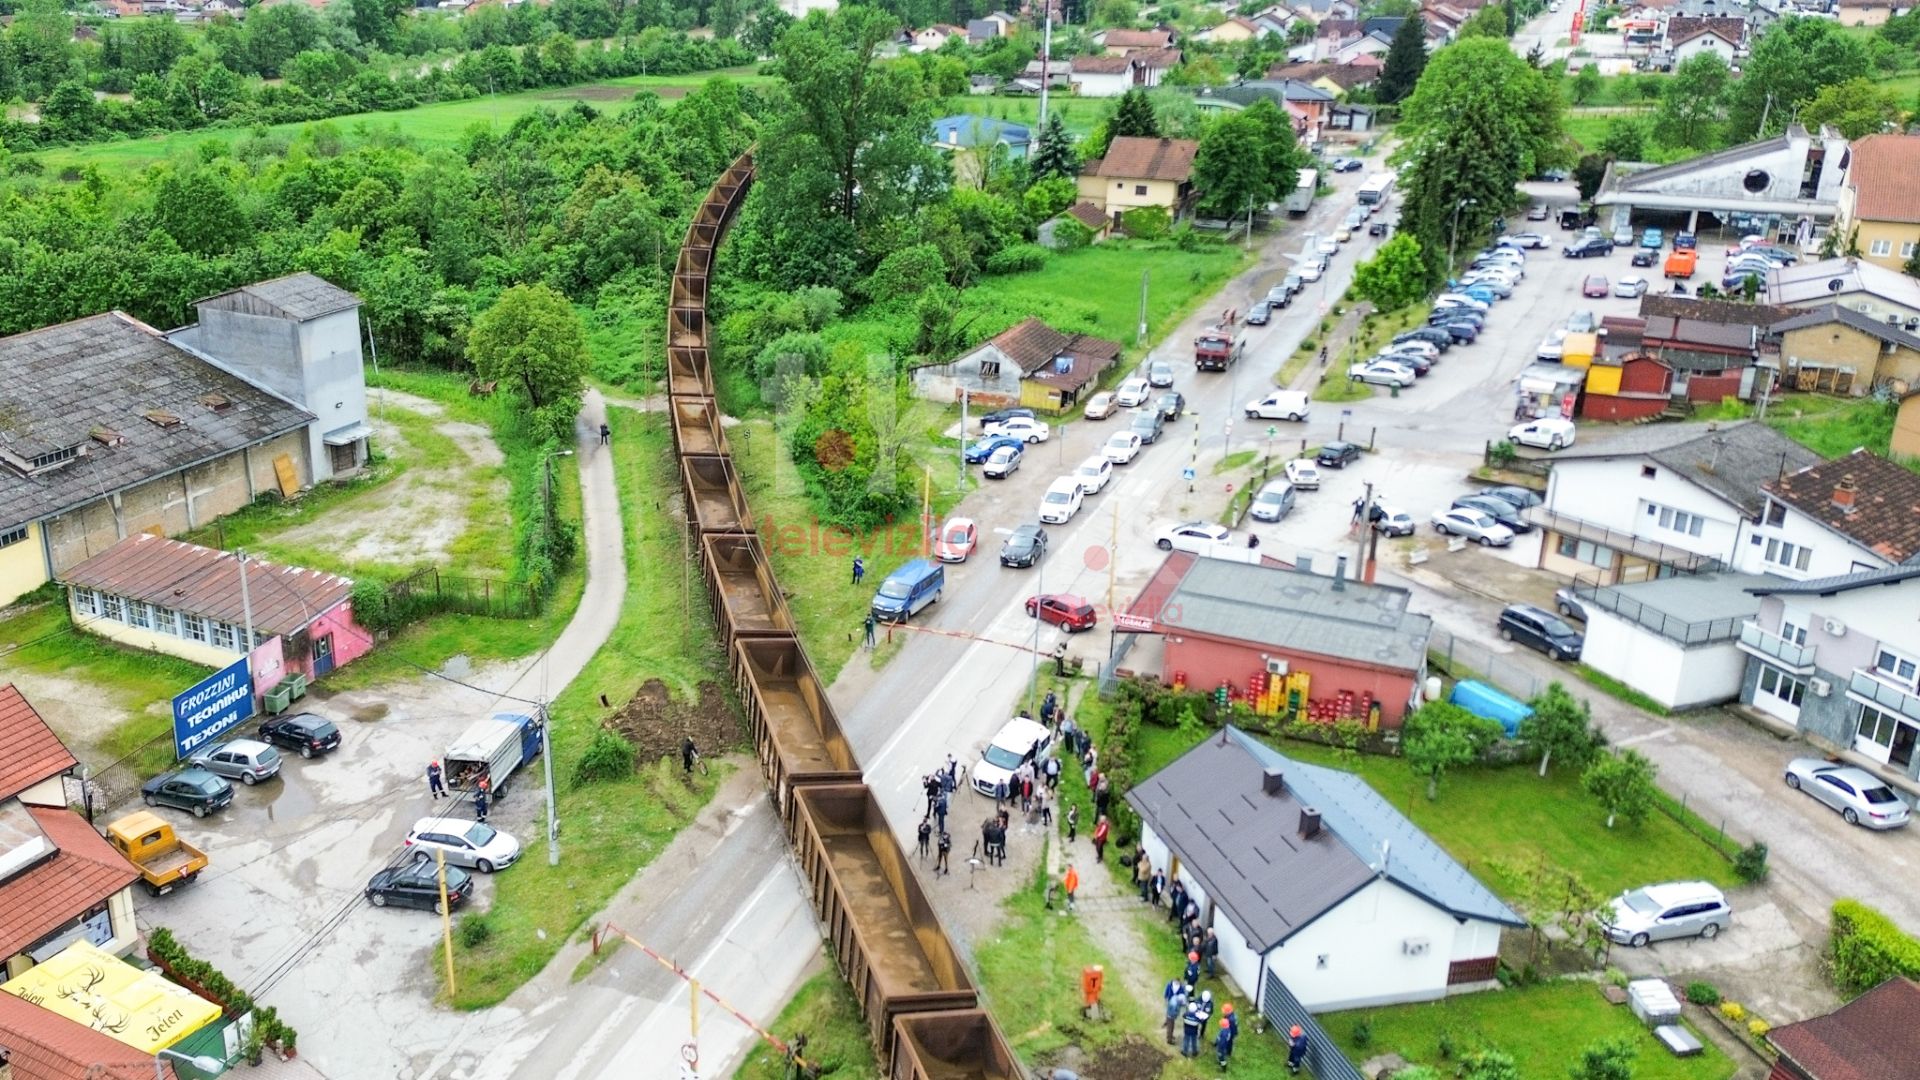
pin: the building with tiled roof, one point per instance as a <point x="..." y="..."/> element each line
<point x="1880" y="197"/>
<point x="40" y="1044"/>
<point x="1876" y="1036"/>
<point x="1862" y="512"/>
<point x="1103" y="76"/>
<point x="1138" y="171"/>
<point x="1030" y="363"/>
<point x="59" y="880"/>
<point x="1125" y="42"/>
<point x="1835" y="349"/>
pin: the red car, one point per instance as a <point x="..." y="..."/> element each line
<point x="1596" y="285"/>
<point x="957" y="540"/>
<point x="1069" y="612"/>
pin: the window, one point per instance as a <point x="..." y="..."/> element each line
<point x="139" y="614"/>
<point x="1793" y="630"/>
<point x="1776" y="513"/>
<point x="1789" y="556"/>
<point x="1895" y="667"/>
<point x="1779" y="684"/>
<point x="193" y="628"/>
<point x="13" y="536"/>
<point x="1139" y="189"/>
<point x="1906" y="249"/>
<point x="1881" y="247"/>
<point x="989" y="369"/>
<point x="1885" y="731"/>
<point x="223" y="636"/>
<point x="166" y="621"/>
<point x="1677" y="520"/>
<point x="1586" y="551"/>
<point x="112" y="607"/>
<point x="1648" y="472"/>
<point x="86" y="601"/>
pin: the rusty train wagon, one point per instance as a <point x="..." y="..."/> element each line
<point x="915" y="992"/>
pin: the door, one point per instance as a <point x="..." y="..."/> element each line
<point x="1904" y="738"/>
<point x="322" y="655"/>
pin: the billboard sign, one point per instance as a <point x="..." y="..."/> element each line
<point x="208" y="708"/>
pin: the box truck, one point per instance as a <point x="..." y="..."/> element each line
<point x="492" y="748"/>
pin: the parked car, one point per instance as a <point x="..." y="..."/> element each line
<point x="958" y="537"/>
<point x="1652" y="238"/>
<point x="1062" y="500"/>
<point x="1191" y="536"/>
<point x="1337" y="455"/>
<point x="1498" y="509"/>
<point x="246" y="760"/>
<point x="1645" y="257"/>
<point x="1472" y="524"/>
<point x="1121" y="447"/>
<point x="1019" y="741"/>
<point x="1093" y="474"/>
<point x="1347" y="165"/>
<point x="417" y="885"/>
<point x="1293" y="283"/>
<point x="474" y="845"/>
<point x="1569" y="603"/>
<point x="1384" y="372"/>
<point x="1100" y="406"/>
<point x="1303" y="474"/>
<point x="1540" y="630"/>
<point x="1632" y="286"/>
<point x="1581" y="322"/>
<point x="1552" y="347"/>
<point x="1260" y="313"/>
<point x="1280" y="405"/>
<point x="1464" y="330"/>
<point x="1390" y="520"/>
<point x="1521" y="498"/>
<point x="1527" y="241"/>
<point x="1439" y="339"/>
<point x="1004" y="463"/>
<point x="1147" y="424"/>
<point x="1421" y="363"/>
<point x="1278" y="297"/>
<point x="912" y="587"/>
<point x="1170" y="405"/>
<point x="1025" y="546"/>
<point x="1132" y="393"/>
<point x="1001" y="416"/>
<point x="1274" y="501"/>
<point x="1622" y="237"/>
<point x="304" y="732"/>
<point x="1378" y="228"/>
<point x="983" y="449"/>
<point x="1587" y="248"/>
<point x="1342" y="234"/>
<point x="1685" y="241"/>
<point x="1495" y="283"/>
<point x="1160" y="374"/>
<point x="192" y="788"/>
<point x="1537" y="212"/>
<point x="1463" y="299"/>
<point x="1413" y="347"/>
<point x="1327" y="246"/>
<point x="1064" y="610"/>
<point x="1594" y="285"/>
<point x="1662" y="912"/>
<point x="1859" y="796"/>
<point x="1546" y="433"/>
<point x="1309" y="269"/>
<point x="1025" y="428"/>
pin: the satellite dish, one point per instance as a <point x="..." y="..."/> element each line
<point x="1836" y="284"/>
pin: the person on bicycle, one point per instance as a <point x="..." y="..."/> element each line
<point x="688" y="754"/>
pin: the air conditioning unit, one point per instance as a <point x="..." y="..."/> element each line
<point x="1415" y="946"/>
<point x="1835" y="627"/>
<point x="1276" y="666"/>
<point x="1820" y="687"/>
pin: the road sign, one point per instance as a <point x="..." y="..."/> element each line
<point x="209" y="707"/>
<point x="1187" y="473"/>
<point x="1272" y="431"/>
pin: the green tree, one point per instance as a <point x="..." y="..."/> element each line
<point x="200" y="210"/>
<point x="1488" y="22"/>
<point x="1440" y="736"/>
<point x="1856" y="108"/>
<point x="1300" y="32"/>
<point x="1606" y="1059"/>
<point x="1396" y="275"/>
<point x="71" y="112"/>
<point x="532" y="341"/>
<point x="1280" y="150"/>
<point x="1624" y="785"/>
<point x="1586" y="85"/>
<point x="39" y="48"/>
<point x="1489" y="1065"/>
<point x="1134" y="116"/>
<point x="1244" y="159"/>
<point x="1560" y="725"/>
<point x="1692" y="102"/>
<point x="1911" y="267"/>
<point x="1045" y="198"/>
<point x="1406" y="59"/>
<point x="1053" y="154"/>
<point x="1788" y="66"/>
<point x="1626" y="140"/>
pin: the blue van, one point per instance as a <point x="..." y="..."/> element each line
<point x="908" y="589"/>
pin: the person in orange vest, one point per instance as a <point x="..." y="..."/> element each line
<point x="1092" y="980"/>
<point x="1070" y="882"/>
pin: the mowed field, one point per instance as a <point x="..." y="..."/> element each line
<point x="436" y="125"/>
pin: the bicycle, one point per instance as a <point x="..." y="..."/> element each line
<point x="694" y="759"/>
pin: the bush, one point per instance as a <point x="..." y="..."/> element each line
<point x="1616" y="977"/>
<point x="1868" y="949"/>
<point x="1363" y="1033"/>
<point x="1501" y="454"/>
<point x="1733" y="1011"/>
<point x="474" y="931"/>
<point x="1758" y="1028"/>
<point x="1017" y="259"/>
<point x="1751" y="864"/>
<point x="608" y="757"/>
<point x="1703" y="993"/>
<point x="1070" y="235"/>
<point x="1146" y="222"/>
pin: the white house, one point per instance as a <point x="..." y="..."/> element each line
<point x="1103" y="76"/>
<point x="1864" y="286"/>
<point x="931" y="38"/>
<point x="1705" y="39"/>
<point x="1675" y="639"/>
<point x="1315" y="883"/>
<point x="1660" y="498"/>
<point x="1854" y="513"/>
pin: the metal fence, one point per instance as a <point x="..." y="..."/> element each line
<point x="1325" y="1060"/>
<point x="1464" y="659"/>
<point x="1684" y="631"/>
<point x="438" y="592"/>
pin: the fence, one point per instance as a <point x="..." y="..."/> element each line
<point x="434" y="592"/>
<point x="1325" y="1060"/>
<point x="1684" y="631"/>
<point x="1464" y="659"/>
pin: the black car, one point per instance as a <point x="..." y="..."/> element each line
<point x="1002" y="415"/>
<point x="1147" y="424"/>
<point x="1461" y="329"/>
<point x="1439" y="339"/>
<point x="1024" y="547"/>
<point x="1421" y="363"/>
<point x="417" y="885"/>
<point x="1259" y="314"/>
<point x="1170" y="405"/>
<point x="304" y="732"/>
<point x="1449" y="312"/>
<point x="1521" y="498"/>
<point x="1584" y="248"/>
<point x="1499" y="510"/>
<point x="1378" y="228"/>
<point x="1645" y="257"/>
<point x="1337" y="455"/>
<point x="1542" y="630"/>
<point x="192" y="788"/>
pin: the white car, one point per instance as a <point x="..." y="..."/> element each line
<point x="1525" y="240"/>
<point x="1121" y="448"/>
<point x="1274" y="501"/>
<point x="1384" y="372"/>
<point x="1062" y="500"/>
<point x="1303" y="474"/>
<point x="1415" y="346"/>
<point x="1391" y="520"/>
<point x="1132" y="393"/>
<point x="1553" y="347"/>
<point x="1308" y="269"/>
<point x="1472" y="524"/>
<point x="1094" y="473"/>
<point x="1280" y="405"/>
<point x="1025" y="428"/>
<point x="1018" y="741"/>
<point x="1462" y="300"/>
<point x="1003" y="462"/>
<point x="1859" y="796"/>
<point x="1548" y="433"/>
<point x="473" y="844"/>
<point x="1192" y="536"/>
<point x="1499" y="285"/>
<point x="1631" y="286"/>
<point x="1327" y="246"/>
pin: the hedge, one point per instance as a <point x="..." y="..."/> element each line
<point x="1868" y="949"/>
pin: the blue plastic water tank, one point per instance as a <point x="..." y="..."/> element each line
<point x="1482" y="700"/>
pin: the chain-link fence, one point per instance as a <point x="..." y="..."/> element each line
<point x="1464" y="659"/>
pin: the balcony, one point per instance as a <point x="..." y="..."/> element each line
<point x="1870" y="688"/>
<point x="1775" y="649"/>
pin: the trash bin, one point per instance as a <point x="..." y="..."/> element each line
<point x="278" y="699"/>
<point x="296" y="685"/>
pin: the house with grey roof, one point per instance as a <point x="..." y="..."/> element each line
<point x="1316" y="886"/>
<point x="109" y="427"/>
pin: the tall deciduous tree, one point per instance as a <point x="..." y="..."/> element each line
<point x="1560" y="726"/>
<point x="532" y="341"/>
<point x="1624" y="785"/>
<point x="1406" y="59"/>
<point x="1440" y="736"/>
<point x="1586" y="85"/>
<point x="1692" y="102"/>
<point x="1230" y="170"/>
<point x="1789" y="64"/>
<point x="1053" y="153"/>
<point x="1396" y="275"/>
<point x="1855" y="108"/>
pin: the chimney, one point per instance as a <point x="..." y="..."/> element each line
<point x="1309" y="823"/>
<point x="1843" y="493"/>
<point x="1340" y="574"/>
<point x="1273" y="782"/>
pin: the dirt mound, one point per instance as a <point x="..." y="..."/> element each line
<point x="655" y="723"/>
<point x="1133" y="1058"/>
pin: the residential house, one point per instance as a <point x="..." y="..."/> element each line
<point x="1316" y="887"/>
<point x="1786" y="187"/>
<point x="1123" y="42"/>
<point x="1874" y="1036"/>
<point x="194" y="602"/>
<point x="1311" y="108"/>
<point x="1836" y="349"/>
<point x="1856" y="512"/>
<point x="1029" y="363"/>
<point x="1276" y="20"/>
<point x="223" y="411"/>
<point x="1711" y="361"/>
<point x="1880" y="199"/>
<point x="40" y="1044"/>
<point x="968" y="141"/>
<point x="1234" y="30"/>
<point x="1864" y="286"/>
<point x="60" y="881"/>
<point x="1087" y="214"/>
<point x="1319" y="11"/>
<point x="1103" y="76"/>
<point x="1447" y="19"/>
<point x="931" y="38"/>
<point x="1355" y="645"/>
<point x="1366" y="43"/>
<point x="1333" y="79"/>
<point x="1140" y="171"/>
<point x="981" y="31"/>
<point x="1906" y="426"/>
<point x="1729" y="32"/>
<point x="1704" y="39"/>
<point x="982" y="85"/>
<point x="1330" y="35"/>
<point x="1675" y="639"/>
<point x="1059" y="74"/>
<point x="1150" y="66"/>
<point x="1868" y="12"/>
<point x="1660" y="499"/>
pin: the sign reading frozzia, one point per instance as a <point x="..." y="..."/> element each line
<point x="211" y="706"/>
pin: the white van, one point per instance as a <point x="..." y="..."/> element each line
<point x="1062" y="500"/>
<point x="1280" y="405"/>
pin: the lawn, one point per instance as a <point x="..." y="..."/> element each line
<point x="1078" y="114"/>
<point x="613" y="829"/>
<point x="837" y="1040"/>
<point x="1833" y="426"/>
<point x="1544" y="1027"/>
<point x="1104" y="281"/>
<point x="441" y="124"/>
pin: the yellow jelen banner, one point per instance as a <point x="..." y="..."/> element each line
<point x="109" y="995"/>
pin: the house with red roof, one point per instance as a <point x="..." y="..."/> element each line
<point x="40" y="1044"/>
<point x="1876" y="1036"/>
<point x="1030" y="363"/>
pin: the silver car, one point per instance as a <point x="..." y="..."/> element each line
<point x="1860" y="797"/>
<point x="1677" y="909"/>
<point x="246" y="760"/>
<point x="472" y="844"/>
<point x="1159" y="374"/>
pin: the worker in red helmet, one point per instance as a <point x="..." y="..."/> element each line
<point x="1223" y="1042"/>
<point x="1296" y="1048"/>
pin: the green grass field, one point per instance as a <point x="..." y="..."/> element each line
<point x="437" y="125"/>
<point x="1078" y="114"/>
<point x="837" y="1041"/>
<point x="1106" y="281"/>
<point x="1832" y="426"/>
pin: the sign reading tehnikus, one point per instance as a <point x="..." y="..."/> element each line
<point x="211" y="706"/>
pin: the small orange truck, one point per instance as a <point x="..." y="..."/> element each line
<point x="150" y="843"/>
<point x="1682" y="262"/>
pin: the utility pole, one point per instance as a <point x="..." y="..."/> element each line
<point x="1046" y="66"/>
<point x="553" y="814"/>
<point x="961" y="483"/>
<point x="1142" y="336"/>
<point x="1248" y="244"/>
<point x="246" y="601"/>
<point x="1366" y="526"/>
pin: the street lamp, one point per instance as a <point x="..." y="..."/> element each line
<point x="1039" y="590"/>
<point x="546" y="464"/>
<point x="1453" y="237"/>
<point x="201" y="1062"/>
<point x="546" y="721"/>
